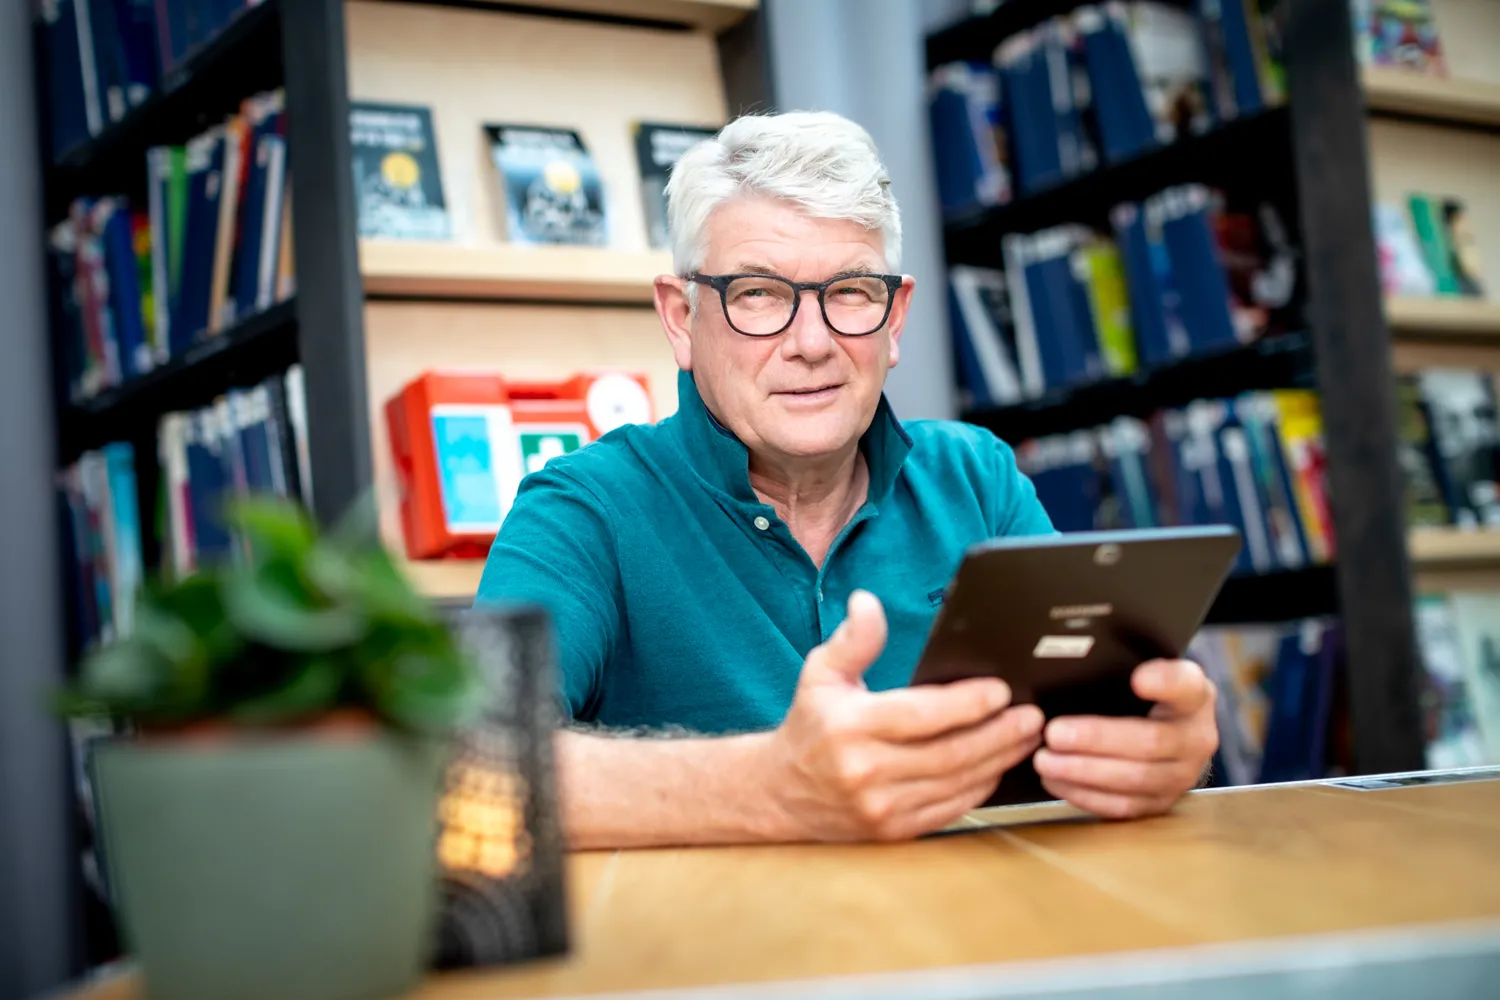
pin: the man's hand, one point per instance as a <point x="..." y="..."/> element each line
<point x="1124" y="768"/>
<point x="850" y="764"/>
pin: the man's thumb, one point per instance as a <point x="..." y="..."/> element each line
<point x="854" y="645"/>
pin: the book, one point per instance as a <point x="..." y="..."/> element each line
<point x="553" y="193"/>
<point x="1423" y="475"/>
<point x="1451" y="732"/>
<point x="1476" y="619"/>
<point x="1103" y="272"/>
<point x="1427" y="219"/>
<point x="1403" y="268"/>
<point x="1398" y="33"/>
<point x="1463" y="248"/>
<point x="982" y="325"/>
<point x="658" y="147"/>
<point x="1166" y="47"/>
<point x="1461" y="407"/>
<point x="398" y="185"/>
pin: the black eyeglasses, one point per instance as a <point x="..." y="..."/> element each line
<point x="764" y="305"/>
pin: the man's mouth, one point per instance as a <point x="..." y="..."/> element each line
<point x="811" y="390"/>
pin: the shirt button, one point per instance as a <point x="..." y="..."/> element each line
<point x="762" y="523"/>
<point x="820" y="595"/>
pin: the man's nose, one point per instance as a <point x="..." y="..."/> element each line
<point x="808" y="337"/>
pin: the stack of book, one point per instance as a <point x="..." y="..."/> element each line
<point x="136" y="286"/>
<point x="103" y="530"/>
<point x="1179" y="275"/>
<point x="1277" y="703"/>
<point x="100" y="58"/>
<point x="250" y="441"/>
<point x="1102" y="84"/>
<point x="1255" y="462"/>
<point x="1449" y="447"/>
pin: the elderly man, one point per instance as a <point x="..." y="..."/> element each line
<point x="741" y="591"/>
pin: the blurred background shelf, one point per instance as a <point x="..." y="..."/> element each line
<point x="500" y="272"/>
<point x="1279" y="362"/>
<point x="448" y="580"/>
<point x="706" y="15"/>
<point x="1444" y="318"/>
<point x="1407" y="94"/>
<point x="1433" y="548"/>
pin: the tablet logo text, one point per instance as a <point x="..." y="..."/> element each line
<point x="1082" y="611"/>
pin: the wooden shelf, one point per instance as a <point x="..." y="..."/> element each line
<point x="709" y="15"/>
<point x="1392" y="91"/>
<point x="393" y="269"/>
<point x="445" y="579"/>
<point x="1454" y="547"/>
<point x="1444" y="318"/>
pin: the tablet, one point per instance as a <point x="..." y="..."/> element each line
<point x="1064" y="619"/>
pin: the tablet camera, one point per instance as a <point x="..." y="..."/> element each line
<point x="1107" y="554"/>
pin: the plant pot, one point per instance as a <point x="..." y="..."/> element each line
<point x="295" y="866"/>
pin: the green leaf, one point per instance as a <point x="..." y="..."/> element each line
<point x="267" y="607"/>
<point x="126" y="674"/>
<point x="424" y="692"/>
<point x="358" y="528"/>
<point x="314" y="687"/>
<point x="371" y="581"/>
<point x="273" y="526"/>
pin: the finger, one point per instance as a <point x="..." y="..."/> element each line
<point x="1180" y="687"/>
<point x="1107" y="736"/>
<point x="1113" y="774"/>
<point x="1109" y="805"/>
<point x="986" y="749"/>
<point x="854" y="645"/>
<point x="920" y="713"/>
<point x="935" y="812"/>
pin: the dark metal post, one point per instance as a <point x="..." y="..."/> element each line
<point x="330" y="297"/>
<point x="1356" y="380"/>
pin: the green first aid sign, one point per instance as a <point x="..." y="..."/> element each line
<point x="540" y="445"/>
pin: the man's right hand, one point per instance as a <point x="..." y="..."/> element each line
<point x="851" y="764"/>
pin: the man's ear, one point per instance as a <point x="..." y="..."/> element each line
<point x="900" y="307"/>
<point x="676" y="315"/>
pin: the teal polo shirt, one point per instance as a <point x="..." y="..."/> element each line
<point x="680" y="599"/>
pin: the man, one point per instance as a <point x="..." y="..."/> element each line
<point x="741" y="591"/>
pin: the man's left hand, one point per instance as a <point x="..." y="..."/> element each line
<point x="1123" y="768"/>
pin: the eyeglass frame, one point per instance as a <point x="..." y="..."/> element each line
<point x="721" y="283"/>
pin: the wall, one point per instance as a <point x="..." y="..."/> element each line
<point x="864" y="59"/>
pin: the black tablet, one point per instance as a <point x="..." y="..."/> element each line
<point x="1064" y="619"/>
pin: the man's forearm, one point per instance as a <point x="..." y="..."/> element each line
<point x="633" y="792"/>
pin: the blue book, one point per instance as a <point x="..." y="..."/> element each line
<point x="1126" y="125"/>
<point x="1147" y="316"/>
<point x="961" y="128"/>
<point x="136" y="21"/>
<point x="207" y="486"/>
<point x="970" y="375"/>
<point x="109" y="58"/>
<point x="205" y="167"/>
<point x="119" y="461"/>
<point x="1230" y="23"/>
<point x="1047" y="298"/>
<point x="124" y="287"/>
<point x="1028" y="100"/>
<point x="172" y="32"/>
<point x="68" y="119"/>
<point x="1196" y="269"/>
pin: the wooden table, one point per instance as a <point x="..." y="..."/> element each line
<point x="1225" y="868"/>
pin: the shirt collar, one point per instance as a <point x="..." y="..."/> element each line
<point x="724" y="463"/>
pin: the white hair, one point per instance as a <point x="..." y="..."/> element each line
<point x="819" y="161"/>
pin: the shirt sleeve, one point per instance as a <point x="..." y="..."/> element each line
<point x="1017" y="509"/>
<point x="556" y="548"/>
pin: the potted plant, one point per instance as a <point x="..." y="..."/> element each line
<point x="268" y="830"/>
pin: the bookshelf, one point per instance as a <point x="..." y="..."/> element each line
<point x="1455" y="548"/>
<point x="708" y="15"/>
<point x="1457" y="319"/>
<point x="1309" y="158"/>
<point x="1456" y="101"/>
<point x="502" y="272"/>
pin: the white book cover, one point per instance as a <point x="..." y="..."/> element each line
<point x="975" y="288"/>
<point x="1476" y="617"/>
<point x="1450" y="729"/>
